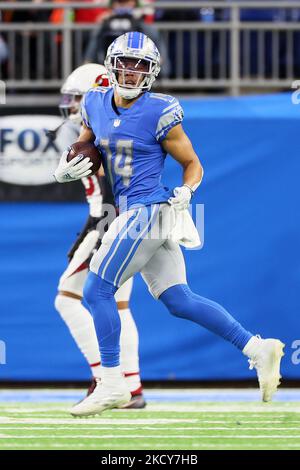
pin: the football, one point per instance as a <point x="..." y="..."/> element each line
<point x="87" y="149"/>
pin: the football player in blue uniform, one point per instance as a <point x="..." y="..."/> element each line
<point x="135" y="130"/>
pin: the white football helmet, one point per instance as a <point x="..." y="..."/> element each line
<point x="76" y="85"/>
<point x="133" y="63"/>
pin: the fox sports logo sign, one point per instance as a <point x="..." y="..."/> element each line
<point x="27" y="155"/>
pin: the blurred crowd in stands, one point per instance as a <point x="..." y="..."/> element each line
<point x="118" y="17"/>
<point x="150" y="15"/>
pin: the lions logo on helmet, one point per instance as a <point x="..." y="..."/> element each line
<point x="133" y="63"/>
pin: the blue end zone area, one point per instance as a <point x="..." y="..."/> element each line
<point x="250" y="261"/>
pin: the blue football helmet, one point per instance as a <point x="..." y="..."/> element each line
<point x="133" y="63"/>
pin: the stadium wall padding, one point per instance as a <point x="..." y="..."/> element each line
<point x="250" y="261"/>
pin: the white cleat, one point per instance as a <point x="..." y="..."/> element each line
<point x="102" y="398"/>
<point x="265" y="356"/>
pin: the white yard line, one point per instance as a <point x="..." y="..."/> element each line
<point x="96" y="421"/>
<point x="225" y="408"/>
<point x="150" y="428"/>
<point x="158" y="436"/>
<point x="152" y="446"/>
<point x="23" y="410"/>
<point x="113" y="422"/>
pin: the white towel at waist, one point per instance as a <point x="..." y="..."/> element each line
<point x="184" y="231"/>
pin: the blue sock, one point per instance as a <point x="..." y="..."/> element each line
<point x="99" y="295"/>
<point x="183" y="303"/>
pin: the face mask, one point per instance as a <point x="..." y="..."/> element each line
<point x="123" y="11"/>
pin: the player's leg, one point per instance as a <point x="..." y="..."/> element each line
<point x="165" y="276"/>
<point x="68" y="304"/>
<point x="120" y="256"/>
<point x="129" y="344"/>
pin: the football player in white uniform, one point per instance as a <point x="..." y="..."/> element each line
<point x="69" y="297"/>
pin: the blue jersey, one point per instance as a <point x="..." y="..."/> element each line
<point x="130" y="143"/>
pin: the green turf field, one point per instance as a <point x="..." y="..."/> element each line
<point x="165" y="425"/>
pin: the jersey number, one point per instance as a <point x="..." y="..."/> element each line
<point x="122" y="164"/>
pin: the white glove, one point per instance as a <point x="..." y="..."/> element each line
<point x="182" y="198"/>
<point x="72" y="170"/>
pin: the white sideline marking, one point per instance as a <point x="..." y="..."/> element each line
<point x="152" y="446"/>
<point x="95" y="421"/>
<point x="226" y="408"/>
<point x="151" y="428"/>
<point x="158" y="436"/>
<point x="25" y="410"/>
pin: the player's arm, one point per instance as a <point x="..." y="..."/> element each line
<point x="94" y="195"/>
<point x="179" y="146"/>
<point x="86" y="134"/>
<point x="78" y="167"/>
